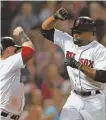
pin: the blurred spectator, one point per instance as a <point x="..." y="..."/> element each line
<point x="57" y="5"/>
<point x="50" y="111"/>
<point x="98" y="13"/>
<point x="13" y="7"/>
<point x="66" y="87"/>
<point x="28" y="75"/>
<point x="84" y="9"/>
<point x="28" y="78"/>
<point x="58" y="98"/>
<point x="25" y="18"/>
<point x="76" y="8"/>
<point x="5" y="18"/>
<point x="104" y="40"/>
<point x="52" y="80"/>
<point x="44" y="57"/>
<point x="45" y="12"/>
<point x="31" y="69"/>
<point x="35" y="109"/>
<point x="37" y="38"/>
<point x="59" y="59"/>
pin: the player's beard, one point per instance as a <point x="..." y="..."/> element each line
<point x="78" y="42"/>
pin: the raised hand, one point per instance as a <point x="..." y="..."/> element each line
<point x="17" y="31"/>
<point x="61" y="14"/>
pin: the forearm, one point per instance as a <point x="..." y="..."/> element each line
<point x="25" y="40"/>
<point x="27" y="46"/>
<point x="97" y="75"/>
<point x="23" y="37"/>
<point x="49" y="23"/>
<point x="91" y="73"/>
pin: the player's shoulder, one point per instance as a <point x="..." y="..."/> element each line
<point x="63" y="33"/>
<point x="99" y="46"/>
<point x="99" y="49"/>
<point x="10" y="60"/>
<point x="16" y="56"/>
<point x="13" y="57"/>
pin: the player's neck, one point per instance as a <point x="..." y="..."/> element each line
<point x="85" y="43"/>
<point x="3" y="57"/>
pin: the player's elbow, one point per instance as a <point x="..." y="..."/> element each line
<point x="27" y="54"/>
<point x="28" y="44"/>
<point x="100" y="76"/>
<point x="48" y="34"/>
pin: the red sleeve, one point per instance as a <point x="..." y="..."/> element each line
<point x="27" y="53"/>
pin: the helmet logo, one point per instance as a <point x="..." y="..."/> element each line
<point x="77" y="23"/>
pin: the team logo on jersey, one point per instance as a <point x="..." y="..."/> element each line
<point x="70" y="54"/>
<point x="87" y="62"/>
<point x="83" y="61"/>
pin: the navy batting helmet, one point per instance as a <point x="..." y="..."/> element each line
<point x="83" y="24"/>
<point x="7" y="42"/>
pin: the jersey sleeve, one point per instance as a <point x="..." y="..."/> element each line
<point x="100" y="59"/>
<point x="60" y="38"/>
<point x="15" y="62"/>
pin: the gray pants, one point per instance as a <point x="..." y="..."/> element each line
<point x="71" y="114"/>
<point x="80" y="108"/>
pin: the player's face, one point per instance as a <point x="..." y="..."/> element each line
<point x="84" y="36"/>
<point x="11" y="50"/>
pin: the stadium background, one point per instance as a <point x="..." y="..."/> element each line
<point x="46" y="80"/>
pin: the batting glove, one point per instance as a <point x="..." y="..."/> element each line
<point x="61" y="14"/>
<point x="69" y="61"/>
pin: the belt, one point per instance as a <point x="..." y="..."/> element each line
<point x="82" y="93"/>
<point x="14" y="117"/>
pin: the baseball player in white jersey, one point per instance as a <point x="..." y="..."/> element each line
<point x="11" y="87"/>
<point x="85" y="59"/>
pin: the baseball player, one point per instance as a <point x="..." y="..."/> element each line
<point x="11" y="87"/>
<point x="86" y="65"/>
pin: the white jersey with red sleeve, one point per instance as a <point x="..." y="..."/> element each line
<point x="92" y="55"/>
<point x="12" y="90"/>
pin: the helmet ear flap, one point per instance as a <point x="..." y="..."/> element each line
<point x="1" y="47"/>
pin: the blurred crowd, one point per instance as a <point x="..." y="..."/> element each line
<point x="47" y="84"/>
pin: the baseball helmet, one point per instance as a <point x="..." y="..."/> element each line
<point x="83" y="24"/>
<point x="7" y="42"/>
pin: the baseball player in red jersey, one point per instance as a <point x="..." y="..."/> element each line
<point x="11" y="88"/>
<point x="85" y="59"/>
